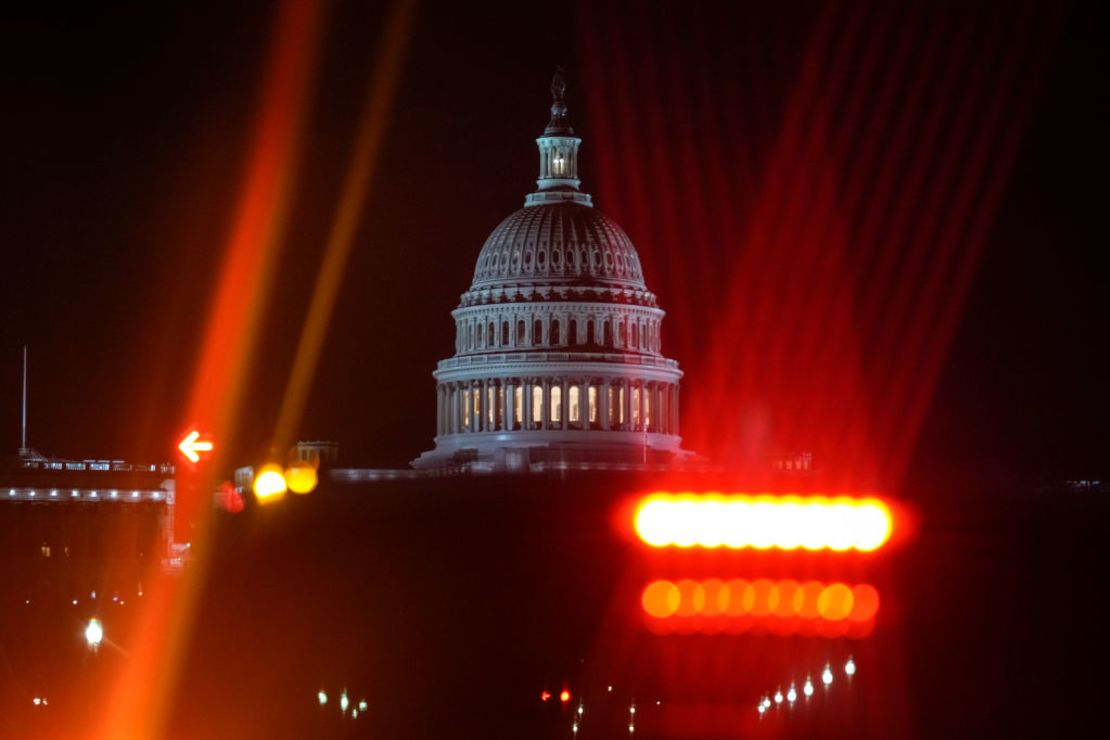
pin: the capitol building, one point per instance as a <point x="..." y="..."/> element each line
<point x="558" y="345"/>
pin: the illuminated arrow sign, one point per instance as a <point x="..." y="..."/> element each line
<point x="192" y="444"/>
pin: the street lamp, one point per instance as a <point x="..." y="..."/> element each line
<point x="94" y="634"/>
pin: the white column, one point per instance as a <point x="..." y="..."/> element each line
<point x="674" y="408"/>
<point x="545" y="417"/>
<point x="564" y="398"/>
<point x="603" y="403"/>
<point x="627" y="405"/>
<point x="526" y="394"/>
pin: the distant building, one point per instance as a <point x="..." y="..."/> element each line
<point x="79" y="530"/>
<point x="558" y="352"/>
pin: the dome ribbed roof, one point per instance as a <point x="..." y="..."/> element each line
<point x="558" y="243"/>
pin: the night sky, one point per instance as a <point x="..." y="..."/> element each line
<point x="125" y="132"/>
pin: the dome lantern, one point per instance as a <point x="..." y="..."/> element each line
<point x="558" y="180"/>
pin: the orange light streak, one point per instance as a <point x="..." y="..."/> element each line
<point x="137" y="702"/>
<point x="763" y="521"/>
<point x="379" y="100"/>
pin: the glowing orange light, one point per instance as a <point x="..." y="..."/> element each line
<point x="301" y="477"/>
<point x="564" y="696"/>
<point x="192" y="444"/>
<point x="661" y="599"/>
<point x="835" y="602"/>
<point x="269" y="484"/>
<point x="545" y="695"/>
<point x="865" y="603"/>
<point x="784" y="606"/>
<point x="763" y="521"/>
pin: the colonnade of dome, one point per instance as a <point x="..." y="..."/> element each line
<point x="557" y="403"/>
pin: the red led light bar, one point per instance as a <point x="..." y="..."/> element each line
<point x="778" y="606"/>
<point x="763" y="521"/>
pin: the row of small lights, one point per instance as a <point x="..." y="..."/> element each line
<point x="344" y="703"/>
<point x="31" y="493"/>
<point x="791" y="695"/>
<point x="576" y="722"/>
<point x="92" y="597"/>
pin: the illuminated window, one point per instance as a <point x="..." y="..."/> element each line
<point x="556" y="403"/>
<point x="647" y="410"/>
<point x="572" y="404"/>
<point x="45" y="550"/>
<point x="466" y="408"/>
<point x="518" y="405"/>
<point x="635" y="407"/>
<point x="613" y="410"/>
<point x="537" y="404"/>
<point x="620" y="405"/>
<point x="592" y="401"/>
<point x="491" y="407"/>
<point x="477" y="404"/>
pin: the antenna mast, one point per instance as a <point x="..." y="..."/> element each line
<point x="23" y="439"/>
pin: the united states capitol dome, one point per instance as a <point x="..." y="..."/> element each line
<point x="558" y="243"/>
<point x="558" y="345"/>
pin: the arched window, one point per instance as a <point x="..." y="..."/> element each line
<point x="574" y="415"/>
<point x="537" y="332"/>
<point x="608" y="332"/>
<point x="635" y="407"/>
<point x="554" y="332"/>
<point x="589" y="331"/>
<point x="537" y="404"/>
<point x="520" y="333"/>
<point x="572" y="331"/>
<point x="635" y="334"/>
<point x="591" y="396"/>
<point x="489" y="335"/>
<point x="624" y="333"/>
<point x="473" y="337"/>
<point x="504" y="333"/>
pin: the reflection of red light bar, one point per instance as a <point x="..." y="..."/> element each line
<point x="763" y="521"/>
<point x="738" y="605"/>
